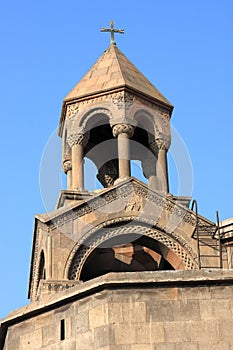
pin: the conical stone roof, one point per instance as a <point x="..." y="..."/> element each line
<point x="112" y="71"/>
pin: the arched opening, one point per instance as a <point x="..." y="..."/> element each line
<point x="125" y="253"/>
<point x="102" y="151"/>
<point x="41" y="269"/>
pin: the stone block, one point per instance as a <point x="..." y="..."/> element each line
<point x="150" y="333"/>
<point x="225" y="330"/>
<point x="69" y="344"/>
<point x="215" y="309"/>
<point x="103" y="336"/>
<point x="139" y="333"/>
<point x="81" y="323"/>
<point x="142" y="347"/>
<point x="194" y="293"/>
<point x="125" y="335"/>
<point x="160" y="311"/>
<point x="51" y="333"/>
<point x="178" y="331"/>
<point x="43" y="319"/>
<point x="23" y="328"/>
<point x="130" y="312"/>
<point x="98" y="316"/>
<point x="12" y="340"/>
<point x="186" y="310"/>
<point x="85" y="341"/>
<point x="222" y="292"/>
<point x="165" y="346"/>
<point x="216" y="346"/>
<point x="120" y="347"/>
<point x="204" y="331"/>
<point x="31" y="340"/>
<point x="188" y="346"/>
<point x="134" y="312"/>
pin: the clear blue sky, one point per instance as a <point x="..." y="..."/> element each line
<point x="185" y="48"/>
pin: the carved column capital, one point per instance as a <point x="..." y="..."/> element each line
<point x="159" y="143"/>
<point x="123" y="128"/>
<point x="67" y="165"/>
<point x="77" y="138"/>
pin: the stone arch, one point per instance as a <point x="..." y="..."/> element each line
<point x="177" y="253"/>
<point x="145" y="121"/>
<point x="89" y="119"/>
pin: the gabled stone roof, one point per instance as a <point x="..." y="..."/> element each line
<point x="113" y="70"/>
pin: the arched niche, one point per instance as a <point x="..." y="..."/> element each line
<point x="97" y="254"/>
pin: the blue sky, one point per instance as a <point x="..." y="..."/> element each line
<point x="185" y="48"/>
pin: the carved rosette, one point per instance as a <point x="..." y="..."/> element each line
<point x="77" y="138"/>
<point x="123" y="128"/>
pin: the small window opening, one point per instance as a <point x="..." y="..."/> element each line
<point x="62" y="330"/>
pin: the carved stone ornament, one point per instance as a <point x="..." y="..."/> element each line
<point x="123" y="99"/>
<point x="162" y="142"/>
<point x="67" y="165"/>
<point x="72" y="110"/>
<point x="77" y="138"/>
<point x="123" y="128"/>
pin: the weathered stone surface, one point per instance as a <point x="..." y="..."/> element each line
<point x="163" y="315"/>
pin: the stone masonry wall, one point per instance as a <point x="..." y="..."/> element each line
<point x="170" y="317"/>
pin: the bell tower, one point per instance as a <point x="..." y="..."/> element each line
<point x="129" y="265"/>
<point x="112" y="116"/>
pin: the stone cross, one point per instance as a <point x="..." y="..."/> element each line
<point x="112" y="30"/>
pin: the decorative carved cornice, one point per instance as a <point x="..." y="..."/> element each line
<point x="123" y="128"/>
<point x="125" y="191"/>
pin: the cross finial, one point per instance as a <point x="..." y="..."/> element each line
<point x="112" y="30"/>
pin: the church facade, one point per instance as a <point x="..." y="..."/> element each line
<point x="128" y="266"/>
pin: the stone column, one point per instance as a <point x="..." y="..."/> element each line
<point x="123" y="132"/>
<point x="162" y="173"/>
<point x="67" y="167"/>
<point x="160" y="147"/>
<point x="77" y="141"/>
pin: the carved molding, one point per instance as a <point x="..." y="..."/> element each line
<point x="83" y="251"/>
<point x="124" y="192"/>
<point x="123" y="128"/>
